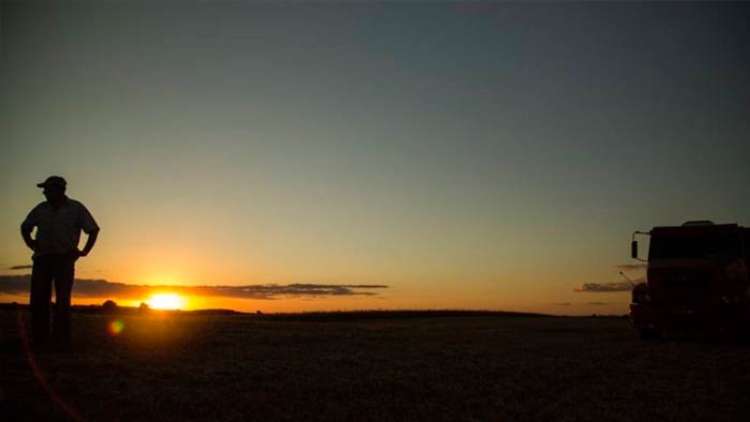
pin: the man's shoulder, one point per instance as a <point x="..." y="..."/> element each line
<point x="35" y="213"/>
<point x="86" y="220"/>
<point x="80" y="208"/>
<point x="40" y="206"/>
<point x="75" y="203"/>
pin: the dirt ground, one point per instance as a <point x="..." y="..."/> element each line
<point x="481" y="368"/>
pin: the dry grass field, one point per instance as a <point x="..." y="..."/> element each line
<point x="476" y="368"/>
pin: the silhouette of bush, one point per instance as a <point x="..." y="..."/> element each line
<point x="109" y="306"/>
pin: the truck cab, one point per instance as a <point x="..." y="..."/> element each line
<point x="696" y="277"/>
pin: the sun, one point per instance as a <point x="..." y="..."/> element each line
<point x="166" y="301"/>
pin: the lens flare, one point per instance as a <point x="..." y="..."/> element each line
<point x="115" y="327"/>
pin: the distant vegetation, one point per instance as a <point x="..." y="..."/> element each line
<point x="110" y="307"/>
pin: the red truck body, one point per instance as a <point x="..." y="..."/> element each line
<point x="697" y="277"/>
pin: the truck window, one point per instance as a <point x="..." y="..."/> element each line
<point x="706" y="246"/>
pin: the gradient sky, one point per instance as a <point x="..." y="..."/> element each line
<point x="467" y="155"/>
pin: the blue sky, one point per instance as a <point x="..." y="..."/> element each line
<point x="474" y="154"/>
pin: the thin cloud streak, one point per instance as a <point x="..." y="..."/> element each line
<point x="14" y="285"/>
<point x="21" y="267"/>
<point x="632" y="267"/>
<point x="617" y="286"/>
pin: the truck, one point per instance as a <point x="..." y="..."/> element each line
<point x="696" y="279"/>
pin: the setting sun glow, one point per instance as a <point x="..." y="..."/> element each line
<point x="166" y="301"/>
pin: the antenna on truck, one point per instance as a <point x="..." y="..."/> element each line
<point x="627" y="278"/>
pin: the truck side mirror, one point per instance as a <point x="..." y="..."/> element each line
<point x="634" y="249"/>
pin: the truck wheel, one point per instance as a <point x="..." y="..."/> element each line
<point x="649" y="333"/>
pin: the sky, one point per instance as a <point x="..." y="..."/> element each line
<point x="463" y="155"/>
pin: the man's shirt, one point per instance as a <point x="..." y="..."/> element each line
<point x="58" y="230"/>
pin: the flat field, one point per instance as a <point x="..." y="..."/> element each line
<point x="439" y="368"/>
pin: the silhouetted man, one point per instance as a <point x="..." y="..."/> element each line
<point x="58" y="221"/>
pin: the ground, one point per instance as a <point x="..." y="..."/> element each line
<point x="478" y="368"/>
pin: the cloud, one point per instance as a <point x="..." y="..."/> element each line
<point x="617" y="286"/>
<point x="21" y="267"/>
<point x="19" y="284"/>
<point x="562" y="304"/>
<point x="632" y="267"/>
<point x="597" y="303"/>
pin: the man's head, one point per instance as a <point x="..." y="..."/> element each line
<point x="54" y="188"/>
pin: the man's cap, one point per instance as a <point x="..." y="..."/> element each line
<point x="53" y="181"/>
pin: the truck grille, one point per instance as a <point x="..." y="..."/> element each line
<point x="682" y="287"/>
